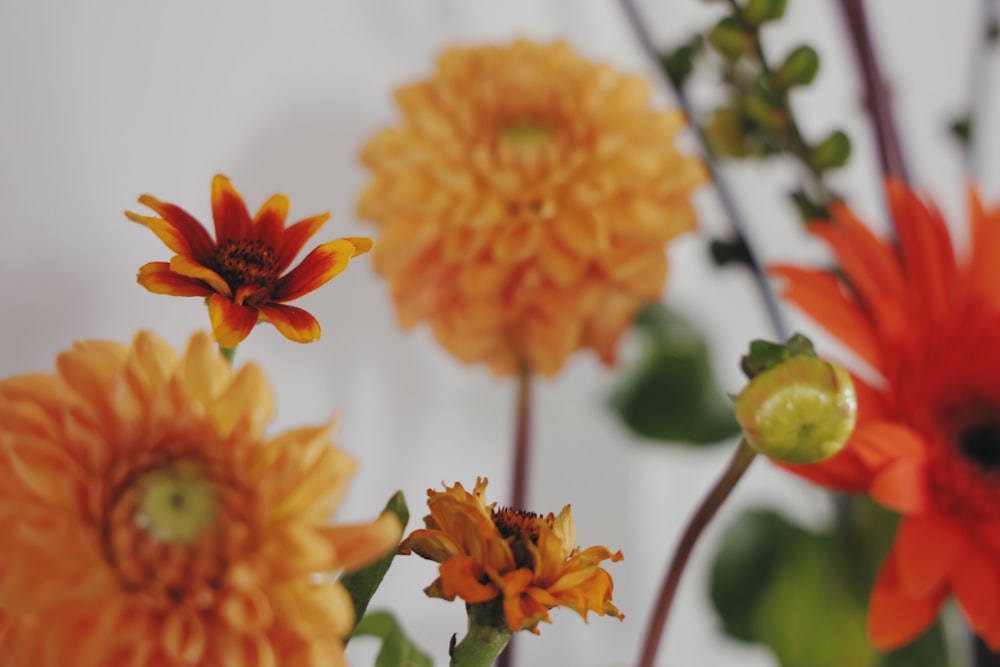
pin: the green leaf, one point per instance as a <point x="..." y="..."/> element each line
<point x="832" y="152"/>
<point x="800" y="67"/>
<point x="679" y="63"/>
<point x="809" y="209"/>
<point x="362" y="584"/>
<point x="759" y="11"/>
<point x="729" y="38"/>
<point x="670" y="393"/>
<point x="804" y="594"/>
<point x="397" y="649"/>
<point x="961" y="129"/>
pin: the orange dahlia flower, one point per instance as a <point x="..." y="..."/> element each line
<point x="524" y="204"/>
<point x="927" y="442"/>
<point x="530" y="560"/>
<point x="240" y="272"/>
<point x="147" y="520"/>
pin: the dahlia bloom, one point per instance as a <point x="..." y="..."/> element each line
<point x="927" y="442"/>
<point x="524" y="204"/>
<point x="240" y="272"/>
<point x="147" y="520"/>
<point x="529" y="560"/>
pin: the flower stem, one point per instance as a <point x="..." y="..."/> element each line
<point x="520" y="471"/>
<point x="227" y="353"/>
<point x="486" y="637"/>
<point x="876" y="93"/>
<point x="742" y="458"/>
<point x="722" y="189"/>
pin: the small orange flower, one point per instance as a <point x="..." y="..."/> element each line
<point x="147" y="521"/>
<point x="927" y="440"/>
<point x="530" y="560"/>
<point x="524" y="204"/>
<point x="240" y="273"/>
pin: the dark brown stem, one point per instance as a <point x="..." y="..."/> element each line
<point x="520" y="471"/>
<point x="876" y="92"/>
<point x="742" y="458"/>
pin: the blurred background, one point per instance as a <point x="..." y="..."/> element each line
<point x="101" y="101"/>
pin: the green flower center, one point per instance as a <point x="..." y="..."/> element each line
<point x="176" y="504"/>
<point x="525" y="134"/>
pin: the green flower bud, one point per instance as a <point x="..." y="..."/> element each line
<point x="802" y="410"/>
<point x="729" y="38"/>
<point x="759" y="11"/>
<point x="800" y="67"/>
<point x="832" y="152"/>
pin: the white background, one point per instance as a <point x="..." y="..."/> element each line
<point x="103" y="101"/>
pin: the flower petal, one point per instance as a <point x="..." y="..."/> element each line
<point x="184" y="266"/>
<point x="293" y="323"/>
<point x="230" y="323"/>
<point x="976" y="585"/>
<point x="269" y="223"/>
<point x="295" y="238"/>
<point x="926" y="550"/>
<point x="232" y="220"/>
<point x="359" y="545"/>
<point x="462" y="577"/>
<point x="177" y="229"/>
<point x="318" y="267"/>
<point x="159" y="279"/>
<point x="902" y="486"/>
<point x="895" y="618"/>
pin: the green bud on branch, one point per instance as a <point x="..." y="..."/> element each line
<point x="730" y="39"/>
<point x="800" y="67"/>
<point x="832" y="152"/>
<point x="760" y="11"/>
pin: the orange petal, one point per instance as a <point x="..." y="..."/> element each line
<point x="462" y="576"/>
<point x="179" y="228"/>
<point x="976" y="585"/>
<point x="230" y="323"/>
<point x="293" y="323"/>
<point x="185" y="266"/>
<point x="926" y="550"/>
<point x="318" y="267"/>
<point x="159" y="279"/>
<point x="895" y="618"/>
<point x="878" y="442"/>
<point x="232" y="219"/>
<point x="358" y="545"/>
<point x="902" y="486"/>
<point x="269" y="223"/>
<point x="296" y="236"/>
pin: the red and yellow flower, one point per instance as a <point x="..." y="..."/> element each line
<point x="242" y="272"/>
<point x="927" y="442"/>
<point x="530" y="561"/>
<point x="147" y="520"/>
<point x="525" y="202"/>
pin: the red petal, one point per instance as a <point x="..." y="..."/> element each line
<point x="185" y="266"/>
<point x="926" y="549"/>
<point x="269" y="223"/>
<point x="976" y="584"/>
<point x="895" y="618"/>
<point x="295" y="238"/>
<point x="878" y="442"/>
<point x="318" y="267"/>
<point x="293" y="323"/>
<point x="158" y="278"/>
<point x="984" y="267"/>
<point x="902" y="486"/>
<point x="232" y="220"/>
<point x="177" y="229"/>
<point x="230" y="323"/>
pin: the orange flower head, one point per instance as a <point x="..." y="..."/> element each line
<point x="927" y="441"/>
<point x="242" y="272"/>
<point x="530" y="560"/>
<point x="524" y="204"/>
<point x="148" y="521"/>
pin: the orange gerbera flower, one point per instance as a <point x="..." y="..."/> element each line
<point x="240" y="273"/>
<point x="147" y="521"/>
<point x="530" y="560"/>
<point x="525" y="202"/>
<point x="927" y="442"/>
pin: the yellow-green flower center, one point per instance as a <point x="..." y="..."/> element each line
<point x="525" y="134"/>
<point x="177" y="504"/>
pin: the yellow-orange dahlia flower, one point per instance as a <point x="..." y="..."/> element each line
<point x="532" y="561"/>
<point x="240" y="272"/>
<point x="524" y="204"/>
<point x="147" y="521"/>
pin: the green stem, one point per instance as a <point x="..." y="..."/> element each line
<point x="742" y="458"/>
<point x="227" y="353"/>
<point x="486" y="637"/>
